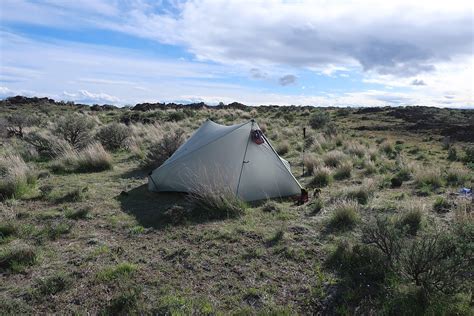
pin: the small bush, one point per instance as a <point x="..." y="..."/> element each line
<point x="160" y="151"/>
<point x="52" y="285"/>
<point x="283" y="148"/>
<point x="16" y="178"/>
<point x="369" y="167"/>
<point x="75" y="129"/>
<point x="81" y="213"/>
<point x="441" y="205"/>
<point x="345" y="214"/>
<point x="16" y="256"/>
<point x="469" y="154"/>
<point x="356" y="149"/>
<point x="53" y="231"/>
<point x="93" y="158"/>
<point x="46" y="145"/>
<point x="322" y="177"/>
<point x="118" y="272"/>
<point x="343" y="171"/>
<point x="334" y="158"/>
<point x="319" y="119"/>
<point x="452" y="154"/>
<point x="387" y="148"/>
<point x="113" y="136"/>
<point x="411" y="219"/>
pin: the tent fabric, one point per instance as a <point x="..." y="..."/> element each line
<point x="218" y="156"/>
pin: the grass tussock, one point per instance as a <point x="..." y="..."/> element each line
<point x="412" y="218"/>
<point x="360" y="193"/>
<point x="457" y="176"/>
<point x="159" y="151"/>
<point x="93" y="158"/>
<point x="16" y="256"/>
<point x="117" y="272"/>
<point x="76" y="214"/>
<point x="345" y="214"/>
<point x="52" y="284"/>
<point x="16" y="177"/>
<point x="343" y="171"/>
<point x="311" y="163"/>
<point x="334" y="158"/>
<point x="356" y="149"/>
<point x="322" y="177"/>
<point x="283" y="148"/>
<point x="428" y="178"/>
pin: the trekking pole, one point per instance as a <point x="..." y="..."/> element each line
<point x="304" y="137"/>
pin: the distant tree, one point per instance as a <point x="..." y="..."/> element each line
<point x="75" y="129"/>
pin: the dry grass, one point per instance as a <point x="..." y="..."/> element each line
<point x="334" y="158"/>
<point x="311" y="162"/>
<point x="16" y="178"/>
<point x="93" y="158"/>
<point x="345" y="214"/>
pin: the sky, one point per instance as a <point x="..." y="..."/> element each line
<point x="319" y="53"/>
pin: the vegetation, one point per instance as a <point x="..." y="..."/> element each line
<point x="385" y="230"/>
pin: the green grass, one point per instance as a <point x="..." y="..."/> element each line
<point x="120" y="271"/>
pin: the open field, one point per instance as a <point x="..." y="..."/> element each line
<point x="385" y="230"/>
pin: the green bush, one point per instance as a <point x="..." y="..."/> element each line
<point x="55" y="230"/>
<point x="75" y="129"/>
<point x="319" y="119"/>
<point x="343" y="171"/>
<point x="126" y="302"/>
<point x="334" y="158"/>
<point x="411" y="220"/>
<point x="441" y="204"/>
<point x="117" y="272"/>
<point x="113" y="136"/>
<point x="452" y="154"/>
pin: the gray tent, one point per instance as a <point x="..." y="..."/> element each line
<point x="220" y="156"/>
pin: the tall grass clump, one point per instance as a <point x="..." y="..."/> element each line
<point x="16" y="178"/>
<point x="387" y="148"/>
<point x="93" y="158"/>
<point x="16" y="256"/>
<point x="457" y="176"/>
<point x="356" y="149"/>
<point x="283" y="147"/>
<point x="430" y="178"/>
<point x="334" y="158"/>
<point x="343" y="171"/>
<point x="213" y="201"/>
<point x="411" y="219"/>
<point x="311" y="162"/>
<point x="345" y="214"/>
<point x="322" y="177"/>
<point x="360" y="193"/>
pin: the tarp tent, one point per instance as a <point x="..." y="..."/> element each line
<point x="227" y="156"/>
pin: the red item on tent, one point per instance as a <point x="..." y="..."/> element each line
<point x="257" y="136"/>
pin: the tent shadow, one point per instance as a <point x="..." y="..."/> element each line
<point x="149" y="207"/>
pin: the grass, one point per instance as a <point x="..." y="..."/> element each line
<point x="16" y="178"/>
<point x="93" y="158"/>
<point x="345" y="214"/>
<point x="17" y="256"/>
<point x="155" y="253"/>
<point x="118" y="272"/>
<point x="428" y="177"/>
<point x="343" y="171"/>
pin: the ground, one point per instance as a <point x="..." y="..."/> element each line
<point x="125" y="254"/>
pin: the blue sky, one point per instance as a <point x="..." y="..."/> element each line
<point x="342" y="53"/>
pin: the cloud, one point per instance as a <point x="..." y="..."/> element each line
<point x="287" y="80"/>
<point x="258" y="74"/>
<point x="418" y="82"/>
<point x="84" y="96"/>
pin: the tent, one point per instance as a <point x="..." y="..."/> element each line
<point x="237" y="157"/>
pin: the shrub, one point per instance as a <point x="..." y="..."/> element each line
<point x="16" y="178"/>
<point x="384" y="235"/>
<point x="93" y="158"/>
<point x="17" y="255"/>
<point x="118" y="272"/>
<point x="52" y="285"/>
<point x="345" y="214"/>
<point x="46" y="145"/>
<point x="334" y="158"/>
<point x="113" y="136"/>
<point x="319" y="119"/>
<point x="469" y="154"/>
<point x="322" y="177"/>
<point x="369" y="167"/>
<point x="411" y="219"/>
<point x="441" y="204"/>
<point x="75" y="129"/>
<point x="356" y="149"/>
<point x="53" y="231"/>
<point x="283" y="147"/>
<point x="17" y="122"/>
<point x="160" y="151"/>
<point x="343" y="171"/>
